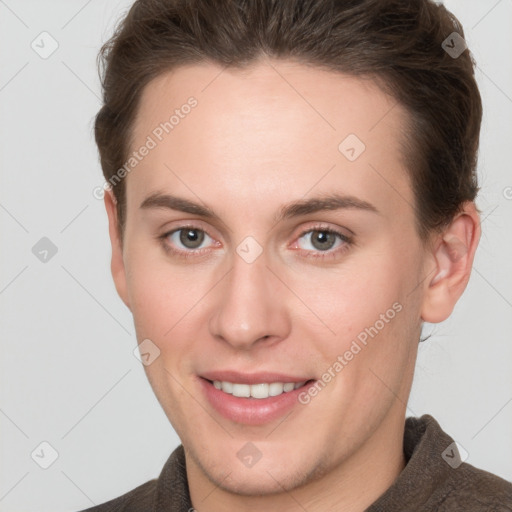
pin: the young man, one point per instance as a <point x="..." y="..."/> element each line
<point x="291" y="195"/>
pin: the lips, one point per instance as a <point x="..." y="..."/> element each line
<point x="253" y="378"/>
<point x="252" y="399"/>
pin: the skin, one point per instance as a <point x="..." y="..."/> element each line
<point x="261" y="138"/>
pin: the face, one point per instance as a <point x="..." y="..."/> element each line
<point x="263" y="247"/>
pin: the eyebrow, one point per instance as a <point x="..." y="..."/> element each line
<point x="295" y="209"/>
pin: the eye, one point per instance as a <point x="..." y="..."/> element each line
<point x="186" y="240"/>
<point x="323" y="240"/>
<point x="191" y="238"/>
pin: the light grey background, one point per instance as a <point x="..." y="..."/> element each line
<point x="68" y="374"/>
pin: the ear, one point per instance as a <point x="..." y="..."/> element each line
<point x="452" y="257"/>
<point x="117" y="263"/>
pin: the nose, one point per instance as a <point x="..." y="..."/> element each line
<point x="250" y="306"/>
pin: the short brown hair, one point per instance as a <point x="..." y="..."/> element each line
<point x="398" y="43"/>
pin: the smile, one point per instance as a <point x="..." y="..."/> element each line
<point x="252" y="402"/>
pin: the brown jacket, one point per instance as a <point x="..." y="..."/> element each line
<point x="434" y="480"/>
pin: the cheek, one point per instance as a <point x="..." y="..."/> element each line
<point x="168" y="304"/>
<point x="369" y="309"/>
<point x="351" y="298"/>
<point x="156" y="295"/>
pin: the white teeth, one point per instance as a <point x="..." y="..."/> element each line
<point x="263" y="390"/>
<point x="227" y="387"/>
<point x="288" y="386"/>
<point x="259" y="390"/>
<point x="276" y="388"/>
<point x="241" y="390"/>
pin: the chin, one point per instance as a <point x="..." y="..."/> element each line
<point x="271" y="476"/>
<point x="250" y="482"/>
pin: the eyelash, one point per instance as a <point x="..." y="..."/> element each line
<point x="331" y="253"/>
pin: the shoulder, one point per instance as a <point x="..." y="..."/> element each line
<point x="455" y="485"/>
<point x="435" y="478"/>
<point x="142" y="498"/>
<point x="474" y="489"/>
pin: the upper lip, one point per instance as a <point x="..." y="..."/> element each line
<point x="251" y="378"/>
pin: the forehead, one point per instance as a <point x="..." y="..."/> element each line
<point x="276" y="127"/>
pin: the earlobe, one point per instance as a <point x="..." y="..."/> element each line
<point x="453" y="256"/>
<point x="117" y="266"/>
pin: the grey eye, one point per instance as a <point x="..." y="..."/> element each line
<point x="189" y="238"/>
<point x="320" y="240"/>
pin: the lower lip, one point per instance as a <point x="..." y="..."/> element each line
<point x="251" y="411"/>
